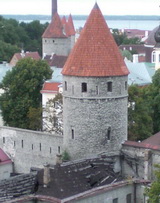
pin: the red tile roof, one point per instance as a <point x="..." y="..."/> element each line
<point x="34" y="55"/>
<point x="54" y="29"/>
<point x="4" y="159"/>
<point x="142" y="145"/>
<point x="71" y="25"/>
<point x="95" y="53"/>
<point x="50" y="87"/>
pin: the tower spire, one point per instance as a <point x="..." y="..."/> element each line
<point x="54" y="7"/>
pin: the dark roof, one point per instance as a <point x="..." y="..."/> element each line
<point x="95" y="53"/>
<point x="74" y="178"/>
<point x="152" y="142"/>
<point x="56" y="60"/>
<point x="151" y="39"/>
<point x="140" y="48"/>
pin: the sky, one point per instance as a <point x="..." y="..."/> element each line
<point x="81" y="7"/>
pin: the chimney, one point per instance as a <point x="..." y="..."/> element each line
<point x="46" y="176"/>
<point x="54" y="7"/>
<point x="58" y="159"/>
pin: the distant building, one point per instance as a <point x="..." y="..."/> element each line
<point x="59" y="37"/>
<point x="18" y="56"/>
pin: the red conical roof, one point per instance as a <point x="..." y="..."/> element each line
<point x="95" y="53"/>
<point x="71" y="25"/>
<point x="54" y="29"/>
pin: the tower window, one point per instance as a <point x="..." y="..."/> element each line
<point x="72" y="89"/>
<point x="109" y="133"/>
<point x="22" y="143"/>
<point x="73" y="134"/>
<point x="126" y="85"/>
<point x="115" y="200"/>
<point x="84" y="87"/>
<point x="97" y="90"/>
<point x="109" y="86"/>
<point x="128" y="198"/>
<point x="53" y="41"/>
<point x="40" y="146"/>
<point x="59" y="149"/>
<point x="153" y="57"/>
<point x="65" y="86"/>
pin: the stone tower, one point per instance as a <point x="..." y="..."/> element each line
<point x="95" y="92"/>
<point x="59" y="37"/>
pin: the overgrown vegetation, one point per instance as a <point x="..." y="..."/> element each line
<point x="21" y="101"/>
<point x="15" y="36"/>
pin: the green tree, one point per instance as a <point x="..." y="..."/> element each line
<point x="22" y="88"/>
<point x="140" y="124"/>
<point x="153" y="192"/>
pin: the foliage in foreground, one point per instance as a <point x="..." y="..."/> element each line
<point x="153" y="192"/>
<point x="22" y="88"/>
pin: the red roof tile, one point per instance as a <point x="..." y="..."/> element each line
<point x="95" y="53"/>
<point x="50" y="87"/>
<point x="54" y="29"/>
<point x="71" y="25"/>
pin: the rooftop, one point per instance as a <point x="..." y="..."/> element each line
<point x="74" y="178"/>
<point x="95" y="52"/>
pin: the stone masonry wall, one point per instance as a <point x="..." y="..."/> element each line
<point x="88" y="115"/>
<point x="29" y="148"/>
<point x="59" y="46"/>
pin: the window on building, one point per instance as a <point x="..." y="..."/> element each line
<point x="97" y="90"/>
<point x="32" y="147"/>
<point x="40" y="147"/>
<point x="128" y="198"/>
<point x="73" y="89"/>
<point x="4" y="140"/>
<point x="84" y="87"/>
<point x="53" y="41"/>
<point x="159" y="57"/>
<point x="109" y="86"/>
<point x="153" y="57"/>
<point x="72" y="133"/>
<point x="115" y="200"/>
<point x="109" y="133"/>
<point x="22" y="143"/>
<point x="65" y="86"/>
<point x="50" y="150"/>
<point x="126" y="85"/>
<point x="59" y="149"/>
<point x="14" y="143"/>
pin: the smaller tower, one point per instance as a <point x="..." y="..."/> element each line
<point x="156" y="52"/>
<point x="54" y="7"/>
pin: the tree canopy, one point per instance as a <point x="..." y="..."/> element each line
<point x="15" y="36"/>
<point x="153" y="192"/>
<point x="22" y="88"/>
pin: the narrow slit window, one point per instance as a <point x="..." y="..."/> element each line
<point x="40" y="147"/>
<point x="14" y="143"/>
<point x="22" y="143"/>
<point x="59" y="149"/>
<point x="32" y="147"/>
<point x="73" y="89"/>
<point x="109" y="86"/>
<point x="72" y="133"/>
<point x="84" y="87"/>
<point x="50" y="150"/>
<point x="126" y="85"/>
<point x="4" y="140"/>
<point x="97" y="90"/>
<point x="65" y="86"/>
<point x="109" y="133"/>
